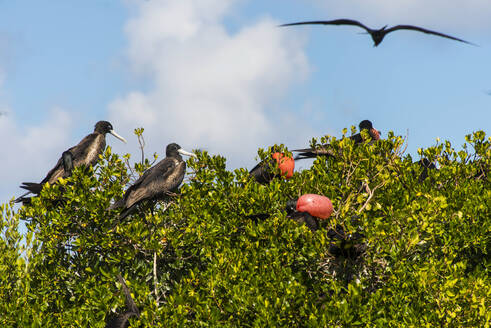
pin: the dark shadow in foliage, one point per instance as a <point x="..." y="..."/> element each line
<point x="156" y="183"/>
<point x="325" y="149"/>
<point x="474" y="257"/>
<point x="346" y="255"/>
<point x="350" y="246"/>
<point x="121" y="320"/>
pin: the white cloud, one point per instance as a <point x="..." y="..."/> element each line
<point x="211" y="88"/>
<point x="28" y="153"/>
<point x="456" y="16"/>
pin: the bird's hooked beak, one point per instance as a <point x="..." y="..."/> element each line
<point x="117" y="136"/>
<point x="183" y="152"/>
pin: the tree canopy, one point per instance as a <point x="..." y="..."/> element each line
<point x="198" y="259"/>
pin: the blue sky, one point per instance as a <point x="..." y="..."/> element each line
<point x="219" y="75"/>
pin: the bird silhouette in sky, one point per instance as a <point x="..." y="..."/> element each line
<point x="377" y="35"/>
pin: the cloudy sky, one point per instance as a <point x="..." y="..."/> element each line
<point x="219" y="75"/>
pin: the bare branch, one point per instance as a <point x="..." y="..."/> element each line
<point x="370" y="194"/>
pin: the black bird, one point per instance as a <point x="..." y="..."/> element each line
<point x="301" y="216"/>
<point x="425" y="164"/>
<point x="121" y="320"/>
<point x="310" y="221"/>
<point x="325" y="150"/>
<point x="85" y="153"/>
<point x="377" y="35"/>
<point x="156" y="182"/>
<point x="264" y="171"/>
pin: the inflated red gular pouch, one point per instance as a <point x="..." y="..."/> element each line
<point x="316" y="205"/>
<point x="286" y="164"/>
<point x="375" y="134"/>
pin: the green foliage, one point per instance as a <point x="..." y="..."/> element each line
<point x="198" y="259"/>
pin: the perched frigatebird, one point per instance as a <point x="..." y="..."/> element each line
<point x="325" y="150"/>
<point x="121" y="320"/>
<point x="377" y="35"/>
<point x="156" y="182"/>
<point x="85" y="153"/>
<point x="425" y="164"/>
<point x="307" y="209"/>
<point x="264" y="171"/>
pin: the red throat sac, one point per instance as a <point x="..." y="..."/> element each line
<point x="316" y="205"/>
<point x="375" y="134"/>
<point x="286" y="164"/>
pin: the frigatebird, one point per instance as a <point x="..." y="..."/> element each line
<point x="264" y="171"/>
<point x="327" y="151"/>
<point x="425" y="164"/>
<point x="377" y="35"/>
<point x="121" y="320"/>
<point x="308" y="209"/>
<point x="86" y="152"/>
<point x="157" y="182"/>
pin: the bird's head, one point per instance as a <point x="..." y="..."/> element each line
<point x="104" y="127"/>
<point x="291" y="205"/>
<point x="365" y="124"/>
<point x="174" y="149"/>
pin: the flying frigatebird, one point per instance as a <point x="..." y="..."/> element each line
<point x="85" y="153"/>
<point x="156" y="182"/>
<point x="377" y="35"/>
<point x="121" y="320"/>
<point x="326" y="151"/>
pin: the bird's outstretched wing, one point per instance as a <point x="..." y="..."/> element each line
<point x="342" y="21"/>
<point x="420" y="29"/>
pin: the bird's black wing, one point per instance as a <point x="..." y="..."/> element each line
<point x="159" y="171"/>
<point x="130" y="304"/>
<point x="76" y="152"/>
<point x="261" y="172"/>
<point x="342" y="21"/>
<point x="357" y="138"/>
<point x="420" y="29"/>
<point x="67" y="157"/>
<point x="121" y="320"/>
<point x="314" y="152"/>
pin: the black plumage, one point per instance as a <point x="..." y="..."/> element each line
<point x="377" y="35"/>
<point x="263" y="172"/>
<point x="425" y="164"/>
<point x="326" y="150"/>
<point x="156" y="182"/>
<point x="86" y="152"/>
<point x="121" y="320"/>
<point x="67" y="158"/>
<point x="310" y="221"/>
